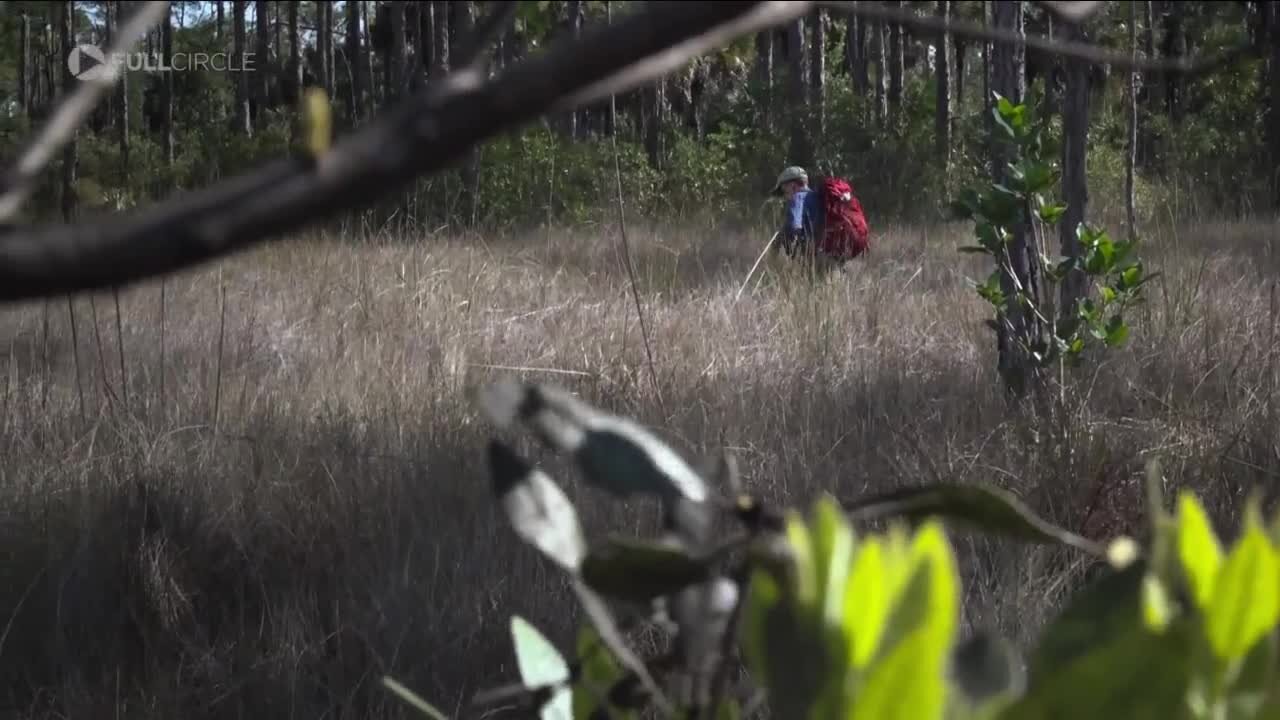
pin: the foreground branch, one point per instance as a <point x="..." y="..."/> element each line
<point x="426" y="133"/>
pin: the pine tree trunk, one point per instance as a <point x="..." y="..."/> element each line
<point x="262" y="84"/>
<point x="355" y="99"/>
<point x="817" y="60"/>
<point x="764" y="77"/>
<point x="961" y="51"/>
<point x="1175" y="48"/>
<point x="880" y="30"/>
<point x="797" y="102"/>
<point x="24" y="65"/>
<point x="166" y="84"/>
<point x="241" y="116"/>
<point x="440" y="39"/>
<point x="122" y="110"/>
<point x="1131" y="156"/>
<point x="1018" y="329"/>
<point x="465" y="17"/>
<point x="655" y="103"/>
<point x="219" y="24"/>
<point x="397" y="57"/>
<point x="294" y="80"/>
<point x="942" y="65"/>
<point x="1075" y="148"/>
<point x="897" y="61"/>
<point x="70" y="157"/>
<point x="575" y="122"/>
<point x="1273" y="121"/>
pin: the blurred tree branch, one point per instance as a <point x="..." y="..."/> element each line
<point x="426" y="133"/>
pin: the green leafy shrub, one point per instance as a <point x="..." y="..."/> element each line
<point x="836" y="620"/>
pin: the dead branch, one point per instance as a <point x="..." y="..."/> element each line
<point x="425" y="133"/>
<point x="432" y="131"/>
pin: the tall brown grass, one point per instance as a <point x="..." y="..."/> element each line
<point x="338" y="526"/>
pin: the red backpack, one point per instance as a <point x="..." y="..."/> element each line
<point x="845" y="233"/>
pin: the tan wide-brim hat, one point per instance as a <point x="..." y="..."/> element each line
<point x="794" y="172"/>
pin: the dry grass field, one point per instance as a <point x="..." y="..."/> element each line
<point x="293" y="500"/>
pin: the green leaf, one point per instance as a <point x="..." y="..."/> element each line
<point x="1157" y="606"/>
<point x="1094" y="616"/>
<point x="537" y="508"/>
<point x="1245" y="603"/>
<point x="1129" y="673"/>
<point x="413" y="699"/>
<point x="988" y="509"/>
<point x="1117" y="332"/>
<point x="541" y="665"/>
<point x="909" y="679"/>
<point x="1198" y="549"/>
<point x="1051" y="214"/>
<point x="779" y="638"/>
<point x="599" y="672"/>
<point x="873" y="583"/>
<point x="833" y="557"/>
<point x="640" y="571"/>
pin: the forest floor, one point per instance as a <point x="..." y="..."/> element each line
<point x="266" y="530"/>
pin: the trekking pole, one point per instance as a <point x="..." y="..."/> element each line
<point x="753" y="267"/>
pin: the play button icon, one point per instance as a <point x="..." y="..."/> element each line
<point x="89" y="64"/>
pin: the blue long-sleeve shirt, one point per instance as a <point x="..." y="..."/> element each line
<point x="803" y="215"/>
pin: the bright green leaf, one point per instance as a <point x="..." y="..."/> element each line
<point x="1246" y="597"/>
<point x="1198" y="549"/>
<point x="1116" y="331"/>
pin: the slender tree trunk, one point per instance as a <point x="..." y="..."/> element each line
<point x="1175" y="48"/>
<point x="1018" y="328"/>
<point x="942" y="65"/>
<point x="574" y="121"/>
<point x="611" y="126"/>
<point x="880" y="30"/>
<point x="465" y="18"/>
<point x="241" y="116"/>
<point x="961" y="50"/>
<point x="24" y="64"/>
<point x="427" y="36"/>
<point x="262" y="78"/>
<point x="440" y="40"/>
<point x="1075" y="148"/>
<point x="219" y="23"/>
<point x="295" y="56"/>
<point x="764" y="77"/>
<point x="324" y="38"/>
<point x="856" y="40"/>
<point x="987" y="87"/>
<point x="355" y="99"/>
<point x="655" y="105"/>
<point x="70" y="156"/>
<point x="1273" y="122"/>
<point x="166" y="85"/>
<point x="797" y="103"/>
<point x="1131" y="156"/>
<point x="396" y="55"/>
<point x="1149" y="91"/>
<point x="817" y="108"/>
<point x="122" y="110"/>
<point x="897" y="62"/>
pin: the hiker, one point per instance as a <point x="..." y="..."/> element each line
<point x="826" y="222"/>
